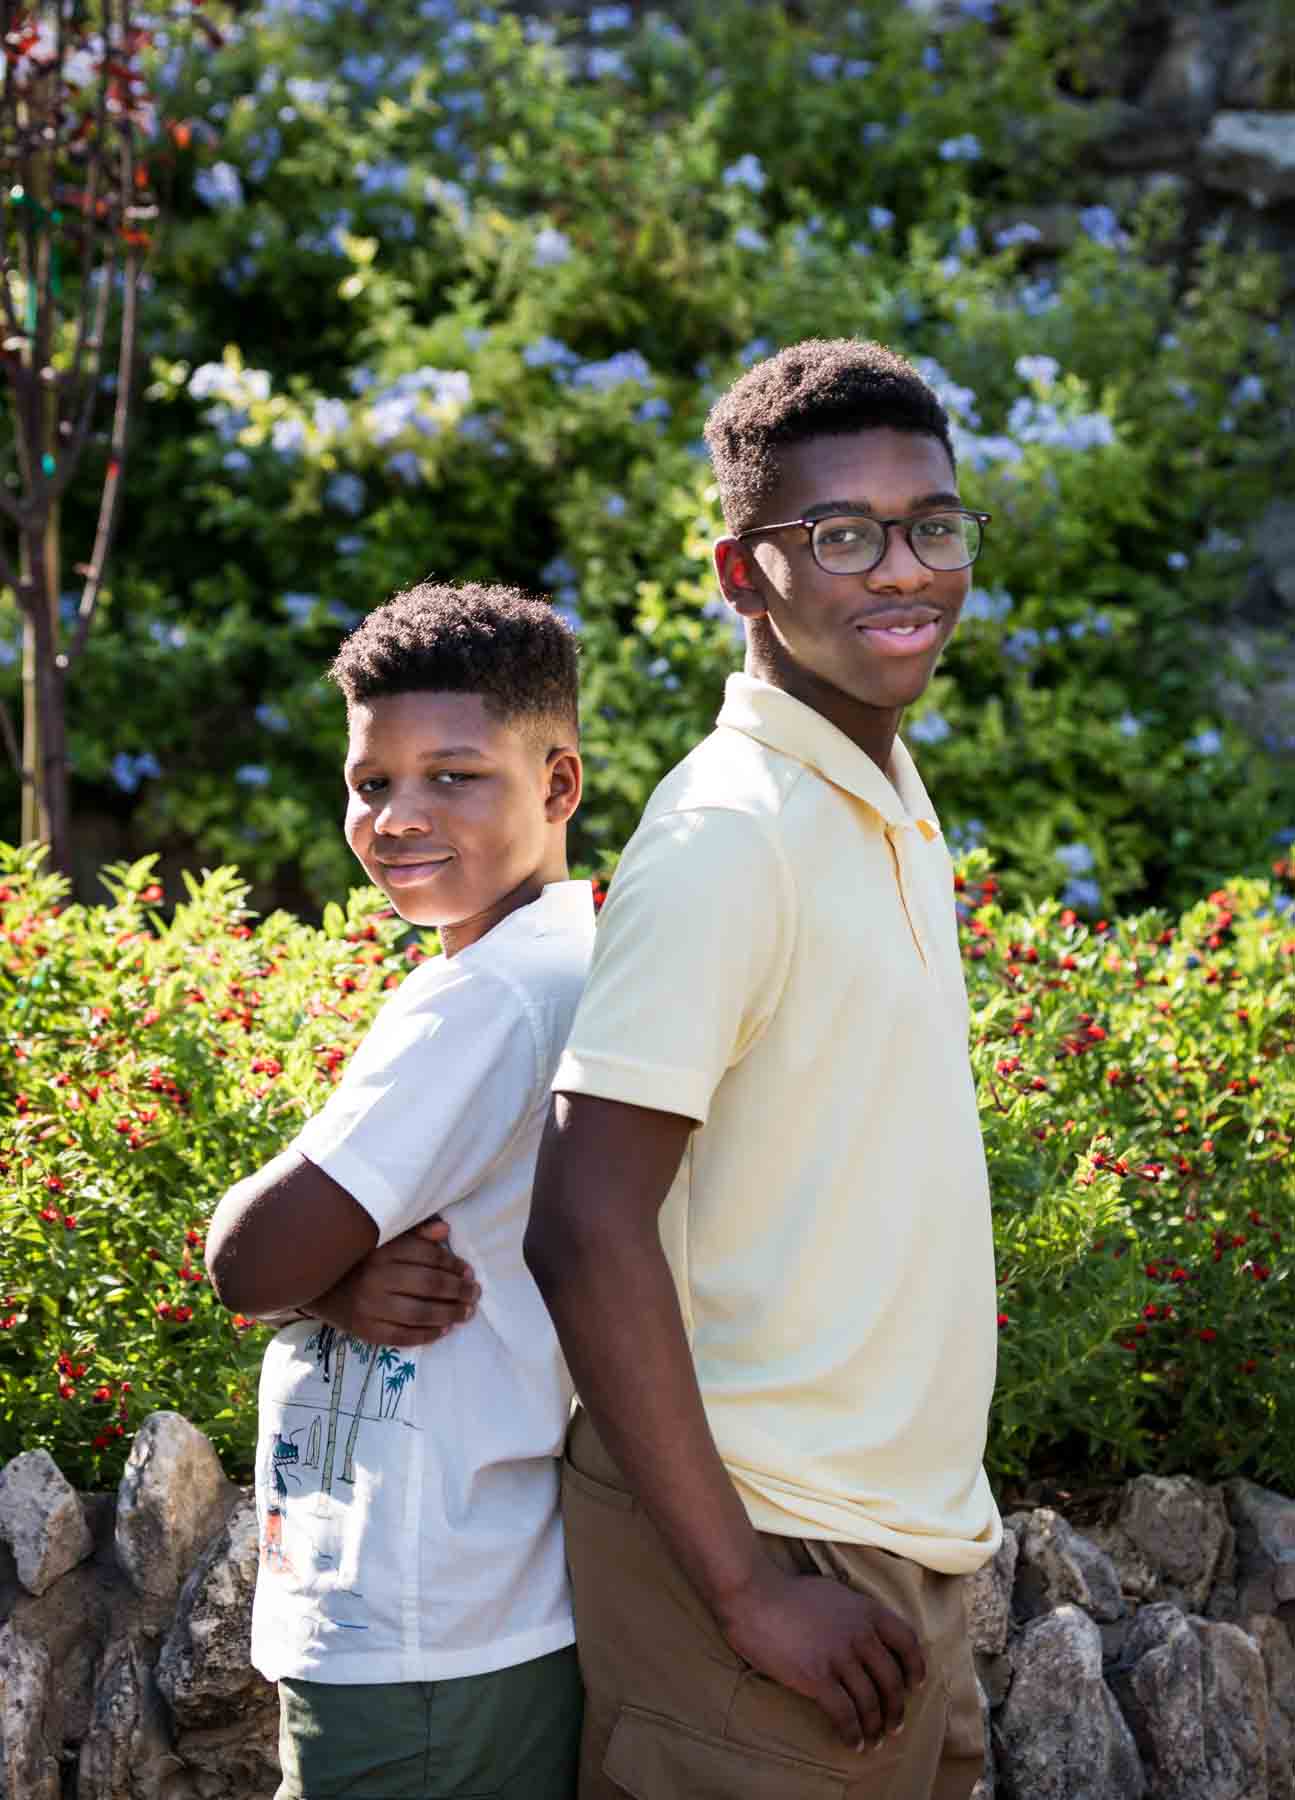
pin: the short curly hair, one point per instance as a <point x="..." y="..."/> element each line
<point x="823" y="387"/>
<point x="508" y="646"/>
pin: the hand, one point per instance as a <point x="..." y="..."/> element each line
<point x="410" y="1291"/>
<point x="851" y="1655"/>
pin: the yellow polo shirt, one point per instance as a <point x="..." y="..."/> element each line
<point x="778" y="959"/>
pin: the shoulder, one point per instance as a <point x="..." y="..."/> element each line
<point x="729" y="772"/>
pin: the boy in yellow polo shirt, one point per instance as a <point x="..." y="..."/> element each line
<point x="761" y="1219"/>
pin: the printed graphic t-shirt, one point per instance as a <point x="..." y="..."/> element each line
<point x="408" y="1497"/>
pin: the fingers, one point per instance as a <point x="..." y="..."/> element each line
<point x="431" y="1231"/>
<point x="900" y="1638"/>
<point x="397" y="1336"/>
<point x="842" y="1709"/>
<point x="876" y="1684"/>
<point x="413" y="1282"/>
<point x="402" y="1251"/>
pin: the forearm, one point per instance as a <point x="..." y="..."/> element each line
<point x="282" y="1237"/>
<point x="614" y="1304"/>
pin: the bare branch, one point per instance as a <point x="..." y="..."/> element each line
<point x="12" y="745"/>
<point x="112" y="483"/>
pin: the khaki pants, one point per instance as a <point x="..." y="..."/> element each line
<point x="672" y="1713"/>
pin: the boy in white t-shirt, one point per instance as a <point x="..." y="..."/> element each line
<point x="412" y="1599"/>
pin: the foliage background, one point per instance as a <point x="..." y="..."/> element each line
<point x="1137" y="1086"/>
<point x="450" y="291"/>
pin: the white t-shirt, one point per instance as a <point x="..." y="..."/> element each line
<point x="408" y="1498"/>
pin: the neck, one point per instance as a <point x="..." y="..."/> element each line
<point x="872" y="728"/>
<point x="463" y="932"/>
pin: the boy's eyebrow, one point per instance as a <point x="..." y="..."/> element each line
<point x="825" y="507"/>
<point x="446" y="753"/>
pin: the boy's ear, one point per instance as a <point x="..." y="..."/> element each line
<point x="565" y="784"/>
<point x="739" y="577"/>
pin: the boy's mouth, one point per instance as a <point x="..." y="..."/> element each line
<point x="408" y="873"/>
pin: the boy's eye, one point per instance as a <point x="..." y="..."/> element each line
<point x="452" y="777"/>
<point x="370" y="784"/>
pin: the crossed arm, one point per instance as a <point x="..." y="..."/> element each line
<point x="291" y="1239"/>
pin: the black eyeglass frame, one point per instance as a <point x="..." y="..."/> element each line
<point x="907" y="520"/>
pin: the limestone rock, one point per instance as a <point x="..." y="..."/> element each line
<point x="127" y="1753"/>
<point x="989" y="1599"/>
<point x="985" y="1788"/>
<point x="1158" y="1683"/>
<point x="1179" y="1528"/>
<point x="227" y="1715"/>
<point x="1273" y="542"/>
<point x="1057" y="1565"/>
<point x="1186" y="78"/>
<point x="170" y="1504"/>
<point x="28" y="1768"/>
<point x="1278" y="1653"/>
<point x="1265" y="1528"/>
<point x="42" y="1520"/>
<point x="1234" y="1711"/>
<point x="1061" y="1735"/>
<point x="1251" y="153"/>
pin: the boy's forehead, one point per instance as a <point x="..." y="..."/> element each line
<point x="888" y="470"/>
<point x="428" y="717"/>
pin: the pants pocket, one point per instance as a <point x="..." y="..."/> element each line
<point x="654" y="1758"/>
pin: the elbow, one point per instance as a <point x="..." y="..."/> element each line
<point x="222" y="1261"/>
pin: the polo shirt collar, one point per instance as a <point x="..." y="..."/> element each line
<point x="784" y="723"/>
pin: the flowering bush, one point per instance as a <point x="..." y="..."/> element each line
<point x="1137" y="1083"/>
<point x="449" y="291"/>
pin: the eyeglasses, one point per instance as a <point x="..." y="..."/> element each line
<point x="853" y="543"/>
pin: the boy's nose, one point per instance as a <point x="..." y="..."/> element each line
<point x="899" y="569"/>
<point x="404" y="815"/>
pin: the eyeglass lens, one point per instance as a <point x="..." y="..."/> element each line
<point x="851" y="545"/>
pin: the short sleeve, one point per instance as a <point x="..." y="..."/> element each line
<point x="433" y="1097"/>
<point x="690" y="957"/>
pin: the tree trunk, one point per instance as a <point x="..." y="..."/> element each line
<point x="348" y="1455"/>
<point x="334" y="1406"/>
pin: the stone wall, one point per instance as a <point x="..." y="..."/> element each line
<point x="1149" y="1655"/>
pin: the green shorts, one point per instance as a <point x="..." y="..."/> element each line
<point x="513" y="1734"/>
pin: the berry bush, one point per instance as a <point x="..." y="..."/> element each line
<point x="1137" y="1081"/>
<point x="448" y="290"/>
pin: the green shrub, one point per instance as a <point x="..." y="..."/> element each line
<point x="1137" y="1083"/>
<point x="450" y="292"/>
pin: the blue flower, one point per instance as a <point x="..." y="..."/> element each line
<point x="746" y="172"/>
<point x="752" y="352"/>
<point x="570" y="614"/>
<point x="287" y="436"/>
<point x="1177" y="559"/>
<point x="1083" y="894"/>
<point x="271" y="718"/>
<point x="551" y="247"/>
<point x="128" y="771"/>
<point x="557" y="572"/>
<point x="626" y="365"/>
<point x="880" y="218"/>
<point x="547" y="353"/>
<point x="1020" y="233"/>
<point x="1102" y="225"/>
<point x="857" y="68"/>
<point x="931" y="728"/>
<point x="406" y="466"/>
<point x="823" y="66"/>
<point x="1249" y="391"/>
<point x="614" y="506"/>
<point x="345" y="492"/>
<point x="990" y="604"/>
<point x="610" y="18"/>
<point x="983" y="10"/>
<point x="219" y="186"/>
<point x="238" y="462"/>
<point x="658" y="407"/>
<point x="1020" y="645"/>
<point x="1129" y="725"/>
<point x="1285" y="837"/>
<point x="1075" y="859"/>
<point x="252" y="775"/>
<point x="607" y="65"/>
<point x="746" y="237"/>
<point x="299" y="607"/>
<point x="350" y="545"/>
<point x="961" y="149"/>
<point x="1041" y="369"/>
<point x="931" y="59"/>
<point x="874" y="132"/>
<point x="1206" y="743"/>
